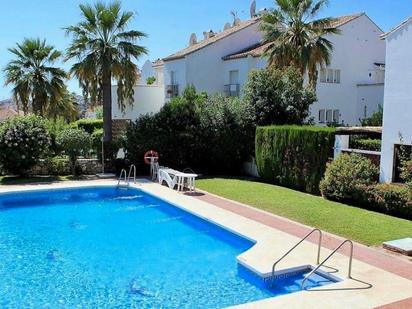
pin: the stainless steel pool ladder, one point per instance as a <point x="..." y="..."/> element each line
<point x="125" y="178"/>
<point x="132" y="168"/>
<point x="347" y="241"/>
<point x="295" y="246"/>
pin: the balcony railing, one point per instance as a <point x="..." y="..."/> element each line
<point x="232" y="90"/>
<point x="172" y="91"/>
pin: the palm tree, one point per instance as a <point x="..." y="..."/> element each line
<point x="65" y="106"/>
<point x="37" y="83"/>
<point x="296" y="38"/>
<point x="105" y="50"/>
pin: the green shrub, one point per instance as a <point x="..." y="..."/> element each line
<point x="213" y="135"/>
<point x="59" y="166"/>
<point x="366" y="143"/>
<point x="347" y="176"/>
<point x="278" y="96"/>
<point x="406" y="171"/>
<point x="294" y="156"/>
<point x="74" y="142"/>
<point x="375" y="120"/>
<point x="391" y="199"/>
<point x="88" y="125"/>
<point x="23" y="141"/>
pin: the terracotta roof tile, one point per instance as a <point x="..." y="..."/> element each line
<point x="258" y="49"/>
<point x="217" y="37"/>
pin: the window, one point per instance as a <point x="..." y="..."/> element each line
<point x="234" y="77"/>
<point x="172" y="78"/>
<point x="329" y="114"/>
<point x="330" y="76"/>
<point x="336" y="116"/>
<point x="323" y="75"/>
<point x="321" y="116"/>
<point x="336" y="78"/>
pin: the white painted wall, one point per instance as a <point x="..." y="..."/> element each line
<point x="147" y="71"/>
<point x="397" y="120"/>
<point x="369" y="98"/>
<point x="147" y="100"/>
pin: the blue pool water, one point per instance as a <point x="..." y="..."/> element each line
<point x="110" y="248"/>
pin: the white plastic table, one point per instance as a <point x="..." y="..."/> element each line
<point x="190" y="178"/>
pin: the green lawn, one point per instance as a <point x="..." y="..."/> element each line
<point x="364" y="226"/>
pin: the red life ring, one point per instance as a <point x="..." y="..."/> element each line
<point x="151" y="154"/>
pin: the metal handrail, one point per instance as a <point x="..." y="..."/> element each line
<point x="132" y="168"/>
<point x="120" y="178"/>
<point x="295" y="246"/>
<point x="347" y="241"/>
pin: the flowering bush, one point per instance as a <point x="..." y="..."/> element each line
<point x="23" y="141"/>
<point x="74" y="142"/>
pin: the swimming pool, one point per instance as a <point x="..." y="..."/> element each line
<point x="106" y="247"/>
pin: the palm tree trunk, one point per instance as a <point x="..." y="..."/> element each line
<point x="107" y="106"/>
<point x="107" y="111"/>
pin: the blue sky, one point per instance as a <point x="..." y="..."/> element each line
<point x="167" y="23"/>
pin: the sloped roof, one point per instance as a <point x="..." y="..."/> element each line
<point x="217" y="37"/>
<point x="403" y="24"/>
<point x="157" y="63"/>
<point x="257" y="50"/>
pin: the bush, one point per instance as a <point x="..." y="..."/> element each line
<point x="366" y="144"/>
<point x="88" y="125"/>
<point x="346" y="178"/>
<point x="375" y="120"/>
<point x="74" y="142"/>
<point x="406" y="171"/>
<point x="391" y="199"/>
<point x="278" y="96"/>
<point x="210" y="135"/>
<point x="294" y="156"/>
<point x="23" y="141"/>
<point x="227" y="134"/>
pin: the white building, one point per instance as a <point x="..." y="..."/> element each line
<point x="349" y="90"/>
<point x="397" y="120"/>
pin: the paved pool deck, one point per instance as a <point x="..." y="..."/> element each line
<point x="389" y="275"/>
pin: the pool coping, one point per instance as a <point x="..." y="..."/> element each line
<point x="243" y="219"/>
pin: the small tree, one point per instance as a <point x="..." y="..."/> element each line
<point x="278" y="96"/>
<point x="74" y="142"/>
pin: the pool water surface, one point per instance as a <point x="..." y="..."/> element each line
<point x="111" y="248"/>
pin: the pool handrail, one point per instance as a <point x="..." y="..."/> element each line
<point x="132" y="168"/>
<point x="125" y="178"/>
<point x="295" y="246"/>
<point x="347" y="241"/>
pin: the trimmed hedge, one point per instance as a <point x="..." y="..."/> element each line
<point x="294" y="156"/>
<point x="88" y="125"/>
<point x="366" y="144"/>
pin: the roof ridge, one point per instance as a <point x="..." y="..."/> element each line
<point x="217" y="37"/>
<point x="398" y="27"/>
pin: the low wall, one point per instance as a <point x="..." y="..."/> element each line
<point x="61" y="167"/>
